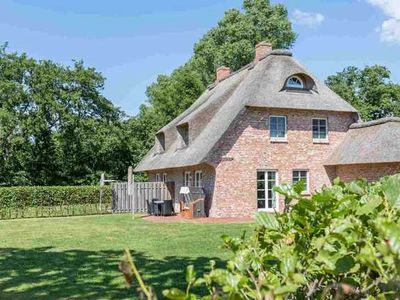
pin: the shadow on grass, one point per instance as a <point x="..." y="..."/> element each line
<point x="46" y="273"/>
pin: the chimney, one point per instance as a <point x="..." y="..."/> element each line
<point x="222" y="72"/>
<point x="262" y="49"/>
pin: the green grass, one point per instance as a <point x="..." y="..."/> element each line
<point x="77" y="257"/>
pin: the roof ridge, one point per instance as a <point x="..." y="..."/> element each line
<point x="374" y="122"/>
<point x="277" y="52"/>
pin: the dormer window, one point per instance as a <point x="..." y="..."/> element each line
<point x="183" y="131"/>
<point x="295" y="82"/>
<point x="160" y="142"/>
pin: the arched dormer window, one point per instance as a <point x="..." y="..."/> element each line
<point x="295" y="82"/>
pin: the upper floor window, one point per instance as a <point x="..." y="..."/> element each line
<point x="160" y="138"/>
<point x="277" y="127"/>
<point x="198" y="178"/>
<point x="320" y="129"/>
<point x="295" y="82"/>
<point x="184" y="134"/>
<point x="164" y="177"/>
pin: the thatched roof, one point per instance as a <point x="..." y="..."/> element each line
<point x="258" y="84"/>
<point x="369" y="142"/>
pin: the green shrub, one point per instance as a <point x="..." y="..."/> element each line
<point x="37" y="201"/>
<point x="343" y="243"/>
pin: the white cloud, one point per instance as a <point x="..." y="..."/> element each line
<point x="307" y="18"/>
<point x="390" y="28"/>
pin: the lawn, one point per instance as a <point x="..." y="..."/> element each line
<point x="77" y="257"/>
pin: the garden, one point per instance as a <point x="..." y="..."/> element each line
<point x="77" y="257"/>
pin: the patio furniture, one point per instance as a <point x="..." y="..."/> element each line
<point x="157" y="209"/>
<point x="167" y="208"/>
<point x="150" y="208"/>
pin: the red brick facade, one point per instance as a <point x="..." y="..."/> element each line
<point x="229" y="177"/>
<point x="371" y="172"/>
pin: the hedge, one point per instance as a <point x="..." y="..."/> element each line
<point x="37" y="201"/>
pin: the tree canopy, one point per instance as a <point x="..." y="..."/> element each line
<point x="369" y="90"/>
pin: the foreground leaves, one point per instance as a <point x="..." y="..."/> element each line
<point x="344" y="242"/>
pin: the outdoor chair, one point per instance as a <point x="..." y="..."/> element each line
<point x="156" y="207"/>
<point x="168" y="208"/>
<point x="150" y="208"/>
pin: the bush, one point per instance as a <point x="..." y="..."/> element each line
<point x="30" y="201"/>
<point x="344" y="242"/>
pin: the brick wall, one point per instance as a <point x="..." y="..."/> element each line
<point x="176" y="175"/>
<point x="246" y="148"/>
<point x="371" y="172"/>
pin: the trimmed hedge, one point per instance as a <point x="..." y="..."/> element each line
<point x="37" y="201"/>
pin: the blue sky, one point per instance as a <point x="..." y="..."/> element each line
<point x="131" y="42"/>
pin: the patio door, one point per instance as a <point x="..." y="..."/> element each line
<point x="266" y="197"/>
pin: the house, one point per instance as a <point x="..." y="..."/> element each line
<point x="268" y="123"/>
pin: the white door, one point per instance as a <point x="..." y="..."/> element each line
<point x="266" y="197"/>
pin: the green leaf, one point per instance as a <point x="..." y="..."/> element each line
<point x="288" y="264"/>
<point x="355" y="187"/>
<point x="190" y="274"/>
<point x="391" y="190"/>
<point x="267" y="220"/>
<point x="373" y="202"/>
<point x="286" y="289"/>
<point x="299" y="186"/>
<point x="174" y="294"/>
<point x="344" y="264"/>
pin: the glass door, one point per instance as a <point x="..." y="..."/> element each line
<point x="266" y="197"/>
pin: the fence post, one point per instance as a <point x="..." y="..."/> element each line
<point x="101" y="188"/>
<point x="130" y="189"/>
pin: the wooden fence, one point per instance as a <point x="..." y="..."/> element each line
<point x="142" y="192"/>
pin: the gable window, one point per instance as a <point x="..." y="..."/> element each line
<point x="187" y="178"/>
<point x="277" y="127"/>
<point x="266" y="197"/>
<point x="160" y="138"/>
<point x="301" y="175"/>
<point x="164" y="177"/>
<point x="158" y="177"/>
<point x="198" y="178"/>
<point x="184" y="134"/>
<point x="320" y="129"/>
<point x="294" y="82"/>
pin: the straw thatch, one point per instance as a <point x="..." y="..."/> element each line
<point x="259" y="85"/>
<point x="369" y="142"/>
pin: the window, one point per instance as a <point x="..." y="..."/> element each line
<point x="198" y="178"/>
<point x="277" y="127"/>
<point x="320" y="129"/>
<point x="160" y="142"/>
<point x="301" y="175"/>
<point x="184" y="134"/>
<point x="158" y="177"/>
<point x="187" y="179"/>
<point x="266" y="197"/>
<point x="164" y="177"/>
<point x="295" y="82"/>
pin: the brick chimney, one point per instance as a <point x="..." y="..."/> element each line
<point x="262" y="49"/>
<point x="222" y="72"/>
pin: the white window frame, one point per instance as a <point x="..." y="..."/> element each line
<point x="198" y="182"/>
<point x="318" y="140"/>
<point x="295" y="86"/>
<point x="268" y="209"/>
<point x="307" y="190"/>
<point x="164" y="177"/>
<point x="278" y="139"/>
<point x="187" y="180"/>
<point x="158" y="177"/>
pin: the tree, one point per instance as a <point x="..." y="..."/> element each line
<point x="55" y="125"/>
<point x="369" y="90"/>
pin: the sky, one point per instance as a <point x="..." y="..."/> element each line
<point x="131" y="42"/>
